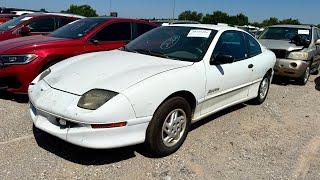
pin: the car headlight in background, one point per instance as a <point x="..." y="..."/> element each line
<point x="17" y="59"/>
<point x="298" y="56"/>
<point x="95" y="98"/>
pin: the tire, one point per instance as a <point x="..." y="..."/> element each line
<point x="263" y="91"/>
<point x="303" y="80"/>
<point x="158" y="142"/>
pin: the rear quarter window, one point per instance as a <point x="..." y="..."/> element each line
<point x="254" y="47"/>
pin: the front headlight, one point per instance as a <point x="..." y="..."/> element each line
<point x="298" y="56"/>
<point x="17" y="59"/>
<point x="95" y="98"/>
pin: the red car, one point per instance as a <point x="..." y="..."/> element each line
<point x="34" y="24"/>
<point x="6" y="17"/>
<point x="22" y="59"/>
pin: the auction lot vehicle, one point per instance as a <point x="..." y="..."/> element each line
<point x="24" y="58"/>
<point x="297" y="48"/>
<point x="34" y="24"/>
<point x="6" y="17"/>
<point x="151" y="90"/>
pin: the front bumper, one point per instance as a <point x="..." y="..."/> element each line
<point x="290" y="68"/>
<point x="48" y="106"/>
<point x="16" y="78"/>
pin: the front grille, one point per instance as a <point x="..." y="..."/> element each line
<point x="9" y="82"/>
<point x="280" y="53"/>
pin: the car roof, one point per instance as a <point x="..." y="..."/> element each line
<point x="293" y="26"/>
<point x="55" y="14"/>
<point x="207" y="26"/>
<point x="118" y="18"/>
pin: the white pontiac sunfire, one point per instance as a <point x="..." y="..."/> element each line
<point x="151" y="90"/>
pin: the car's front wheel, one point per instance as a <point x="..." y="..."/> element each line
<point x="169" y="127"/>
<point x="305" y="77"/>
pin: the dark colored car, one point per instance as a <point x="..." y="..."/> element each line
<point x="22" y="59"/>
<point x="34" y="24"/>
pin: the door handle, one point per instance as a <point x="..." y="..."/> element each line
<point x="250" y="66"/>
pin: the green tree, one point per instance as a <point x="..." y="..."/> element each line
<point x="239" y="19"/>
<point x="43" y="10"/>
<point x="290" y="21"/>
<point x="216" y="17"/>
<point x="191" y="16"/>
<point x="83" y="10"/>
<point x="271" y="21"/>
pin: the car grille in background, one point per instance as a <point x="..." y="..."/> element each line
<point x="280" y="53"/>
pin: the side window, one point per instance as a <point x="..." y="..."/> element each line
<point x="42" y="25"/>
<point x="115" y="32"/>
<point x="254" y="47"/>
<point x="64" y="21"/>
<point x="141" y="29"/>
<point x="231" y="43"/>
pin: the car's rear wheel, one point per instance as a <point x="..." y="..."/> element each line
<point x="305" y="77"/>
<point x="263" y="90"/>
<point x="169" y="127"/>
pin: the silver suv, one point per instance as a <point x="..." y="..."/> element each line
<point x="297" y="48"/>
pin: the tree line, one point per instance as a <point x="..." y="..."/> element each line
<point x="213" y="18"/>
<point x="239" y="19"/>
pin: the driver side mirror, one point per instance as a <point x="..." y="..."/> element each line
<point x="317" y="42"/>
<point x="222" y="59"/>
<point x="25" y="31"/>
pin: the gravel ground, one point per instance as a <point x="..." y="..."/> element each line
<point x="277" y="140"/>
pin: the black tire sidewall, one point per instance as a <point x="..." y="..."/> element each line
<point x="154" y="132"/>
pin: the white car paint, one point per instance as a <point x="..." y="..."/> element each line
<point x="143" y="83"/>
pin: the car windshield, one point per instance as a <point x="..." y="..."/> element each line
<point x="14" y="22"/>
<point x="174" y="42"/>
<point x="285" y="33"/>
<point x="77" y="29"/>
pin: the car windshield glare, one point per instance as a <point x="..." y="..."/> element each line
<point x="77" y="29"/>
<point x="14" y="22"/>
<point x="285" y="33"/>
<point x="174" y="42"/>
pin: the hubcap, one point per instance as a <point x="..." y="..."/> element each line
<point x="264" y="88"/>
<point x="174" y="127"/>
<point x="306" y="75"/>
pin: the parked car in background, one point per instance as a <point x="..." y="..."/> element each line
<point x="34" y="24"/>
<point x="151" y="90"/>
<point x="6" y="17"/>
<point x="297" y="48"/>
<point x="22" y="59"/>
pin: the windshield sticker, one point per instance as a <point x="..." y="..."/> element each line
<point x="26" y="18"/>
<point x="303" y="31"/>
<point x="169" y="43"/>
<point x="201" y="33"/>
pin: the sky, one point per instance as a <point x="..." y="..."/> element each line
<point x="307" y="12"/>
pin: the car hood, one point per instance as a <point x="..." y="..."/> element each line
<point x="114" y="70"/>
<point x="279" y="44"/>
<point x="28" y="41"/>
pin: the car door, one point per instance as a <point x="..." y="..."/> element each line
<point x="227" y="84"/>
<point x="112" y="36"/>
<point x="41" y="25"/>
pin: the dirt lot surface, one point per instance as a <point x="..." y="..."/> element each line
<point x="277" y="140"/>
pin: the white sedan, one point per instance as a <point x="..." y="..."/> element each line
<point x="153" y="89"/>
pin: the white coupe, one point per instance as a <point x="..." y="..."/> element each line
<point x="151" y="90"/>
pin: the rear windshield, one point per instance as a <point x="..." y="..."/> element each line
<point x="285" y="33"/>
<point x="14" y="22"/>
<point x="77" y="29"/>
